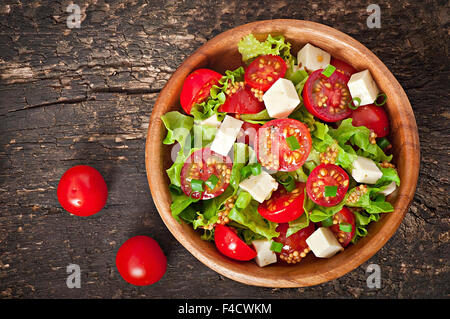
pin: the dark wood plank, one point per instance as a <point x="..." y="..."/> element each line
<point x="84" y="96"/>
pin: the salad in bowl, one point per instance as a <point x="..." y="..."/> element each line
<point x="282" y="157"/>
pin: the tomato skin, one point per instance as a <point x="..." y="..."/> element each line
<point x="242" y="102"/>
<point x="329" y="178"/>
<point x="196" y="87"/>
<point x="141" y="261"/>
<point x="279" y="156"/>
<point x="334" y="96"/>
<point x="373" y="117"/>
<point x="82" y="191"/>
<point x="275" y="209"/>
<point x="346" y="216"/>
<point x="343" y="67"/>
<point x="229" y="244"/>
<point x="294" y="244"/>
<point x="264" y="71"/>
<point x="248" y="132"/>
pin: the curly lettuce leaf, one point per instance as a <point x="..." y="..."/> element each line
<point x="250" y="47"/>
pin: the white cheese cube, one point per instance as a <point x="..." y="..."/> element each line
<point x="366" y="171"/>
<point x="226" y="135"/>
<point x="281" y="98"/>
<point x="260" y="187"/>
<point x="323" y="243"/>
<point x="264" y="256"/>
<point x="211" y="121"/>
<point x="363" y="86"/>
<point x="313" y="58"/>
<point x="389" y="189"/>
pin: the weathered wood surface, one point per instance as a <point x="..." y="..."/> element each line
<point x="84" y="96"/>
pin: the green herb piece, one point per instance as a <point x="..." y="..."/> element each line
<point x="329" y="70"/>
<point x="383" y="102"/>
<point x="383" y="143"/>
<point x="327" y="222"/>
<point x="276" y="247"/>
<point x="345" y="227"/>
<point x="212" y="181"/>
<point x="288" y="182"/>
<point x="246" y="171"/>
<point x="354" y="107"/>
<point x="292" y="143"/>
<point x="330" y="191"/>
<point x="197" y="185"/>
<point x="256" y="169"/>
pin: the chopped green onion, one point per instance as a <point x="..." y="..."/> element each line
<point x="256" y="169"/>
<point x="345" y="227"/>
<point x="382" y="102"/>
<point x="197" y="185"/>
<point x="288" y="182"/>
<point x="246" y="171"/>
<point x="212" y="181"/>
<point x="327" y="222"/>
<point x="383" y="143"/>
<point x="329" y="70"/>
<point x="330" y="191"/>
<point x="276" y="247"/>
<point x="354" y="107"/>
<point x="292" y="143"/>
<point x="243" y="200"/>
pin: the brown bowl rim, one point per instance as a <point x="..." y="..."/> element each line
<point x="234" y="270"/>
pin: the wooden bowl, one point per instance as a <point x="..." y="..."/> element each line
<point x="220" y="54"/>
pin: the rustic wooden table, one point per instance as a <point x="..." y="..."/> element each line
<point x="84" y="96"/>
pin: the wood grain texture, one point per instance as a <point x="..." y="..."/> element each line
<point x="85" y="96"/>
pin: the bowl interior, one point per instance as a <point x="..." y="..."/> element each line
<point x="221" y="54"/>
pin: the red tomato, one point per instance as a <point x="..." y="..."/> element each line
<point x="229" y="244"/>
<point x="343" y="67"/>
<point x="241" y="100"/>
<point x="248" y="132"/>
<point x="196" y="87"/>
<point x="200" y="166"/>
<point x="294" y="247"/>
<point x="274" y="144"/>
<point x="82" y="191"/>
<point x="327" y="175"/>
<point x="373" y="117"/>
<point x="327" y="98"/>
<point x="343" y="216"/>
<point x="283" y="206"/>
<point x="264" y="71"/>
<point x="140" y="261"/>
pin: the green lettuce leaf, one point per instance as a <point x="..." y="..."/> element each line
<point x="250" y="47"/>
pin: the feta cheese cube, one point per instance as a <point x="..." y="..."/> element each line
<point x="389" y="189"/>
<point x="323" y="243"/>
<point x="281" y="98"/>
<point x="363" y="86"/>
<point x="313" y="58"/>
<point x="226" y="135"/>
<point x="365" y="171"/>
<point x="211" y="121"/>
<point x="264" y="256"/>
<point x="260" y="186"/>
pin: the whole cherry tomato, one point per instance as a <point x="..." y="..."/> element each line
<point x="141" y="261"/>
<point x="373" y="117"/>
<point x="82" y="191"/>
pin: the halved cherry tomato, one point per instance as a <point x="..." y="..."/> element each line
<point x="294" y="247"/>
<point x="373" y="117"/>
<point x="229" y="244"/>
<point x="200" y="166"/>
<point x="248" y="132"/>
<point x="343" y="67"/>
<point x="82" y="191"/>
<point x="273" y="144"/>
<point x="283" y="206"/>
<point x="264" y="71"/>
<point x="327" y="175"/>
<point x="327" y="98"/>
<point x="241" y="100"/>
<point x="196" y="87"/>
<point x="141" y="261"/>
<point x="343" y="216"/>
